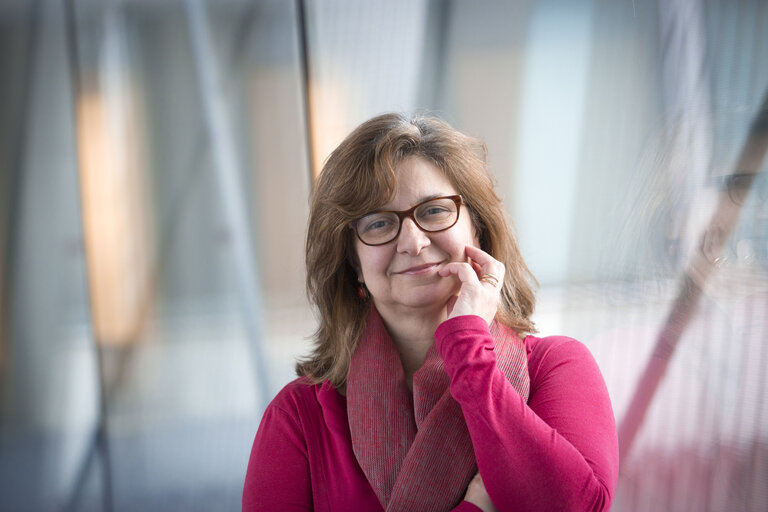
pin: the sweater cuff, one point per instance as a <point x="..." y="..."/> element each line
<point x="462" y="339"/>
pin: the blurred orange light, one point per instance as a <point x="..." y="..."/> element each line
<point x="115" y="213"/>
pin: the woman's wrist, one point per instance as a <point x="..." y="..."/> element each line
<point x="473" y="325"/>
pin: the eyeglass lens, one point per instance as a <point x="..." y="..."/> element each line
<point x="382" y="227"/>
<point x="739" y="186"/>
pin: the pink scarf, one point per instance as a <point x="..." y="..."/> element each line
<point x="415" y="449"/>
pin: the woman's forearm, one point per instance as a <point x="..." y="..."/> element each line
<point x="559" y="451"/>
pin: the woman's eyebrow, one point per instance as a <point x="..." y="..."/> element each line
<point x="423" y="199"/>
<point x="429" y="197"/>
<point x="432" y="196"/>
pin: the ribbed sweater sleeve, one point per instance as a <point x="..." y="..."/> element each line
<point x="559" y="451"/>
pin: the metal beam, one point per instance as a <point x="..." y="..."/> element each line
<point x="228" y="179"/>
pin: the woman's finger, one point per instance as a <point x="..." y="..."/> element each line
<point x="477" y="267"/>
<point x="489" y="266"/>
<point x="477" y="296"/>
<point x="479" y="255"/>
<point x="462" y="270"/>
<point x="478" y="496"/>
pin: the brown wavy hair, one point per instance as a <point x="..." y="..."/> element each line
<point x="359" y="176"/>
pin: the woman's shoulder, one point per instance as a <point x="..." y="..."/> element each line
<point x="301" y="397"/>
<point x="548" y="343"/>
<point x="297" y="392"/>
<point x="551" y="351"/>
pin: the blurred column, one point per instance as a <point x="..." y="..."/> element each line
<point x="554" y="91"/>
<point x="116" y="212"/>
<point x="230" y="189"/>
<point x="19" y="33"/>
<point x="366" y="59"/>
<point x="50" y="384"/>
<point x="481" y="47"/>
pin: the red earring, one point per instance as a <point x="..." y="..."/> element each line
<point x="362" y="292"/>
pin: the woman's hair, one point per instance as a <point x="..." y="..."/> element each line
<point x="358" y="177"/>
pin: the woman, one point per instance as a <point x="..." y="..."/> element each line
<point x="420" y="394"/>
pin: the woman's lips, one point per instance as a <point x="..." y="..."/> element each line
<point x="419" y="269"/>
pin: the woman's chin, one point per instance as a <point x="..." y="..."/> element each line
<point x="427" y="298"/>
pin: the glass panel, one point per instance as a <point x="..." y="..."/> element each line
<point x="181" y="292"/>
<point x="48" y="367"/>
<point x="153" y="200"/>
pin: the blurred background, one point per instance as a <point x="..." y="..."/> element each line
<point x="156" y="161"/>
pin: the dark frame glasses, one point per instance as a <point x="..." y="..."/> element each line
<point x="401" y="215"/>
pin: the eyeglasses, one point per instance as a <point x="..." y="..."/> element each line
<point x="739" y="185"/>
<point x="383" y="226"/>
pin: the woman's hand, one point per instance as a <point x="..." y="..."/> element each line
<point x="481" y="280"/>
<point x="478" y="496"/>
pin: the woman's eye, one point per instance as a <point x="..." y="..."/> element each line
<point x="375" y="225"/>
<point x="435" y="210"/>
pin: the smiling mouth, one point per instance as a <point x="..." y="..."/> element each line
<point x="419" y="269"/>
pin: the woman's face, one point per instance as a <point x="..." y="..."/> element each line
<point x="402" y="274"/>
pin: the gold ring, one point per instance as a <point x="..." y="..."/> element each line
<point x="490" y="279"/>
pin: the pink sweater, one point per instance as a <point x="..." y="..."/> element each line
<point x="558" y="452"/>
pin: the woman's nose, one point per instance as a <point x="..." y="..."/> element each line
<point x="411" y="239"/>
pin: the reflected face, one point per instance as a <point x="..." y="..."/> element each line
<point x="403" y="273"/>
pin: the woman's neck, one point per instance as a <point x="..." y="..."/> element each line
<point x="413" y="333"/>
